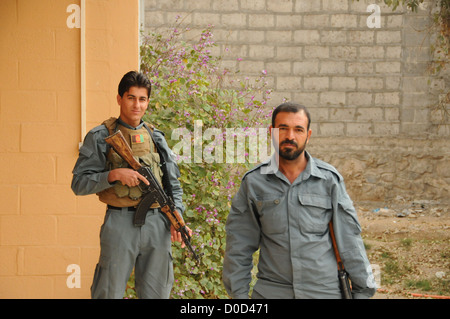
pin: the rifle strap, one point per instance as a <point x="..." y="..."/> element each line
<point x="339" y="262"/>
<point x="165" y="179"/>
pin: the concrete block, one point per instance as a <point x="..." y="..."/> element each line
<point x="306" y="36"/>
<point x="387" y="67"/>
<point x="27" y="230"/>
<point x="286" y="83"/>
<point x="289" y="21"/>
<point x="254" y="5"/>
<point x="224" y="5"/>
<point x="40" y="200"/>
<point x="345" y="21"/>
<point x="27" y="287"/>
<point x="388" y="37"/>
<point x="233" y="20"/>
<point x="342" y="114"/>
<point x="343" y="83"/>
<point x="390" y="129"/>
<point x="23" y="168"/>
<point x="78" y="230"/>
<point x="359" y="129"/>
<point x="8" y="256"/>
<point x="344" y="53"/>
<point x="359" y="99"/>
<point x="261" y="21"/>
<point x="332" y="98"/>
<point x="317" y="52"/>
<point x="310" y="99"/>
<point x="291" y="53"/>
<point x="279" y="37"/>
<point x="371" y="52"/>
<point x="316" y="21"/>
<point x="361" y="37"/>
<point x="362" y="68"/>
<point x="49" y="260"/>
<point x="335" y="5"/>
<point x="331" y="129"/>
<point x="252" y="36"/>
<point x="280" y="6"/>
<point x="9" y="197"/>
<point x="332" y="67"/>
<point x="306" y="67"/>
<point x="370" y="83"/>
<point x="262" y="51"/>
<point x="333" y="36"/>
<point x="389" y="98"/>
<point x="370" y="114"/>
<point x="316" y="83"/>
<point x="307" y="6"/>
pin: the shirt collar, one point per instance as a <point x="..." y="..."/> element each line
<point x="312" y="168"/>
<point x="271" y="167"/>
<point x="129" y="126"/>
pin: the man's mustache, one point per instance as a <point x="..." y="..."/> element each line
<point x="289" y="142"/>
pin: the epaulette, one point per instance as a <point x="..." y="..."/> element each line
<point x="254" y="169"/>
<point x="159" y="131"/>
<point x="98" y="128"/>
<point x="328" y="167"/>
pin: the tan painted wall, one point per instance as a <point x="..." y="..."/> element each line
<point x="44" y="227"/>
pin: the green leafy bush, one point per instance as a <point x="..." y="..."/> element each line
<point x="193" y="95"/>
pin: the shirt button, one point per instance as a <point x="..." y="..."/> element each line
<point x="276" y="201"/>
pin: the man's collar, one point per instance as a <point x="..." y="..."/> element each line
<point x="312" y="167"/>
<point x="129" y="126"/>
<point x="271" y="166"/>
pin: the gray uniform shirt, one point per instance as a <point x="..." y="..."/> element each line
<point x="90" y="175"/>
<point x="289" y="224"/>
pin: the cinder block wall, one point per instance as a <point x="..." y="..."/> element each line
<point x="367" y="88"/>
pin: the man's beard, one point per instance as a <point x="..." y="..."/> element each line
<point x="291" y="154"/>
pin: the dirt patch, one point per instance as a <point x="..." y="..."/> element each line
<point x="408" y="245"/>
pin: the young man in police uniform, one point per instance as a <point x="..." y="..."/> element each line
<point x="283" y="207"/>
<point x="99" y="170"/>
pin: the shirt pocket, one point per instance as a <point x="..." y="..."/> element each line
<point x="85" y="151"/>
<point x="272" y="216"/>
<point x="315" y="213"/>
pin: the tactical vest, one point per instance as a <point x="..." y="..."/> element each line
<point x="144" y="150"/>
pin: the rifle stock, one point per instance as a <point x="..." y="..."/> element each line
<point x="120" y="145"/>
<point x="344" y="281"/>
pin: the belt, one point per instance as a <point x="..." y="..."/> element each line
<point x="130" y="209"/>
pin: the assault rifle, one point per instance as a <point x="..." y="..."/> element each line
<point x="150" y="193"/>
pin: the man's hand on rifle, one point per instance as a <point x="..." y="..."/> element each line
<point x="176" y="236"/>
<point x="126" y="176"/>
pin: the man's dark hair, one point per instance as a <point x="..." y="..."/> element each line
<point x="291" y="108"/>
<point x="134" y="78"/>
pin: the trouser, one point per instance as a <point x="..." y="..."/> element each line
<point x="124" y="246"/>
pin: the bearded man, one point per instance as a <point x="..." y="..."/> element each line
<point x="283" y="208"/>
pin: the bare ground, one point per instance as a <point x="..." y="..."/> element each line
<point x="408" y="244"/>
